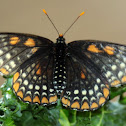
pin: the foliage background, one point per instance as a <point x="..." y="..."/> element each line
<point x="14" y="112"/>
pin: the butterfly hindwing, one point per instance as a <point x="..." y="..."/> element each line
<point x="86" y="88"/>
<point x="33" y="80"/>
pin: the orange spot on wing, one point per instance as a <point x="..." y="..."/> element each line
<point x="124" y="79"/>
<point x="14" y="40"/>
<point x="82" y="75"/>
<point x="53" y="99"/>
<point x="93" y="48"/>
<point x="116" y="82"/>
<point x="109" y="50"/>
<point x="36" y="99"/>
<point x="44" y="100"/>
<point x="30" y="42"/>
<point x="75" y="105"/>
<point x="105" y="92"/>
<point x="4" y="71"/>
<point x="16" y="75"/>
<point x="38" y="72"/>
<point x="28" y="98"/>
<point x="20" y="94"/>
<point x="34" y="50"/>
<point x="101" y="100"/>
<point x="94" y="105"/>
<point x="85" y="106"/>
<point x="16" y="86"/>
<point x="65" y="101"/>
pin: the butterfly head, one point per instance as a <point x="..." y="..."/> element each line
<point x="60" y="39"/>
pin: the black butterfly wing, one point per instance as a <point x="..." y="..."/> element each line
<point x="15" y="48"/>
<point x="31" y="57"/>
<point x="92" y="68"/>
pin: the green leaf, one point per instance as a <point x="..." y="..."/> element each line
<point x="13" y="112"/>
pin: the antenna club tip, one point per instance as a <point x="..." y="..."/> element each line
<point x="82" y="13"/>
<point x="44" y="11"/>
<point x="60" y="35"/>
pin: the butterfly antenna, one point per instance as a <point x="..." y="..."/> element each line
<point x="73" y="23"/>
<point x="51" y="21"/>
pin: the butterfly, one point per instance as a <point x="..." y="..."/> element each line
<point x="80" y="72"/>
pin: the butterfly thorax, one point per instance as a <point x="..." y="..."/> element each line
<point x="59" y="77"/>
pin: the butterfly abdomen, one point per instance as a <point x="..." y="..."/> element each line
<point x="59" y="76"/>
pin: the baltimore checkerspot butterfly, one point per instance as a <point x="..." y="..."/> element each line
<point x="80" y="72"/>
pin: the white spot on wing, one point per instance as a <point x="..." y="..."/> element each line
<point x="1" y="62"/>
<point x="120" y="74"/>
<point x="96" y="87"/>
<point x="84" y="92"/>
<point x="76" y="91"/>
<point x="37" y="87"/>
<point x="1" y="52"/>
<point x="25" y="82"/>
<point x="90" y="92"/>
<point x="24" y="75"/>
<point x="8" y="56"/>
<point x="30" y="86"/>
<point x="44" y="87"/>
<point x="114" y="67"/>
<point x="122" y="65"/>
<point x="12" y="63"/>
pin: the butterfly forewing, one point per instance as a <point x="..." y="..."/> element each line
<point x="109" y="57"/>
<point x="33" y="80"/>
<point x="15" y="48"/>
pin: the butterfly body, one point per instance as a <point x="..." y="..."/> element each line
<point x="59" y="79"/>
<point x="81" y="72"/>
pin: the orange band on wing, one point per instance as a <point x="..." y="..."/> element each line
<point x="75" y="105"/>
<point x="28" y="98"/>
<point x="30" y="42"/>
<point x="109" y="50"/>
<point x="16" y="75"/>
<point x="106" y="92"/>
<point x="4" y="71"/>
<point x="20" y="94"/>
<point x="94" y="105"/>
<point x="101" y="100"/>
<point x="16" y="86"/>
<point x="36" y="99"/>
<point x="85" y="106"/>
<point x="65" y="101"/>
<point x="53" y="99"/>
<point x="116" y="82"/>
<point x="124" y="79"/>
<point x="14" y="40"/>
<point x="44" y="100"/>
<point x="93" y="48"/>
